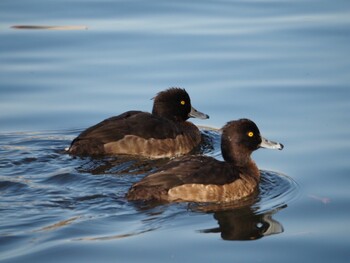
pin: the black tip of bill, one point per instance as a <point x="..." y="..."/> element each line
<point x="271" y="144"/>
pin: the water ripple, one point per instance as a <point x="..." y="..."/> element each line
<point x="59" y="192"/>
<point x="276" y="190"/>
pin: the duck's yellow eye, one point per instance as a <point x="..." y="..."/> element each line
<point x="183" y="102"/>
<point x="250" y="134"/>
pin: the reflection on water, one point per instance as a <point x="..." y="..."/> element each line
<point x="58" y="225"/>
<point x="245" y="224"/>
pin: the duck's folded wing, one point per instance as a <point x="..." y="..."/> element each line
<point x="191" y="170"/>
<point x="136" y="123"/>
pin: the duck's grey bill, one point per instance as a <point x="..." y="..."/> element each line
<point x="197" y="114"/>
<point x="270" y="144"/>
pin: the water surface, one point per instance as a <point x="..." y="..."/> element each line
<point x="284" y="64"/>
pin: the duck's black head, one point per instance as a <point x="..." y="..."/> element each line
<point x="175" y="104"/>
<point x="240" y="138"/>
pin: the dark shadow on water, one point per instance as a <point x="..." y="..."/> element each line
<point x="235" y="223"/>
<point x="244" y="224"/>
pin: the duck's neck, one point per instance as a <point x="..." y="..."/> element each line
<point x="241" y="160"/>
<point x="250" y="169"/>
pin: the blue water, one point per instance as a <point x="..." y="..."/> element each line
<point x="283" y="64"/>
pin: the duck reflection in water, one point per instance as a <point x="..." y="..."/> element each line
<point x="245" y="224"/>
